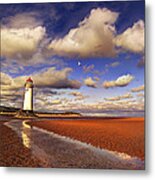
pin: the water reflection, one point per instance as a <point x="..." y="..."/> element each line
<point x="53" y="150"/>
<point x="26" y="135"/>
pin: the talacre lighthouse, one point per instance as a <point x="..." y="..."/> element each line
<point x="28" y="96"/>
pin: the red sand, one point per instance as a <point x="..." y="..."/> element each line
<point x="122" y="135"/>
<point x="12" y="151"/>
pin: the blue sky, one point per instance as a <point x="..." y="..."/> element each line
<point x="91" y="54"/>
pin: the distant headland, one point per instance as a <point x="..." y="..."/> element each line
<point x="18" y="113"/>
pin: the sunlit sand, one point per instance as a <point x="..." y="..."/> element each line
<point x="122" y="135"/>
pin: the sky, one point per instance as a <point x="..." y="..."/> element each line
<point x="85" y="57"/>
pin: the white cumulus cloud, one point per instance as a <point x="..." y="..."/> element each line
<point x="138" y="89"/>
<point x="90" y="82"/>
<point x="132" y="39"/>
<point x="117" y="98"/>
<point x="119" y="82"/>
<point x="93" y="36"/>
<point x="49" y="78"/>
<point x="20" y="43"/>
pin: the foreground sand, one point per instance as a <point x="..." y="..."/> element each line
<point x="22" y="146"/>
<point x="12" y="151"/>
<point x="122" y="135"/>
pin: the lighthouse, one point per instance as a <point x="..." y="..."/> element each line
<point x="28" y="96"/>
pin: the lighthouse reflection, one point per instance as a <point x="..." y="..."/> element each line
<point x="26" y="135"/>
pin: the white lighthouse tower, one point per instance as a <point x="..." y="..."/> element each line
<point x="28" y="96"/>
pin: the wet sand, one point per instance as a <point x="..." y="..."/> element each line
<point x="122" y="135"/>
<point x="22" y="146"/>
<point x="12" y="151"/>
<point x="58" y="151"/>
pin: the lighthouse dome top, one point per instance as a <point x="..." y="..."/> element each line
<point x="29" y="83"/>
<point x="29" y="80"/>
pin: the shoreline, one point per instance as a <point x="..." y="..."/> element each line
<point x="61" y="151"/>
<point x="57" y="151"/>
<point x="12" y="152"/>
<point x="125" y="135"/>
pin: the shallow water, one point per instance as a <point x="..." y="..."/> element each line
<point x="57" y="151"/>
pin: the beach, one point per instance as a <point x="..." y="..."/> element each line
<point x="83" y="142"/>
<point x="125" y="135"/>
<point x="12" y="151"/>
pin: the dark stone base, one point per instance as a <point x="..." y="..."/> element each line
<point x="25" y="114"/>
